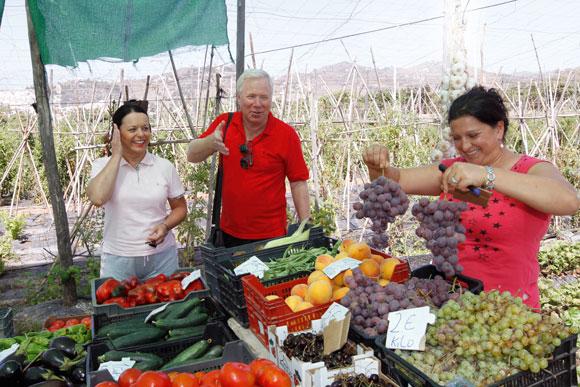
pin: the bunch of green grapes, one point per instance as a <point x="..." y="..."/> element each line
<point x="487" y="337"/>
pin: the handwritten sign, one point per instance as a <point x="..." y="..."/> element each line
<point x="407" y="328"/>
<point x="155" y="311"/>
<point x="334" y="312"/>
<point x="8" y="351"/>
<point x="367" y="366"/>
<point x="195" y="275"/>
<point x="339" y="266"/>
<point x="252" y="266"/>
<point x="116" y="368"/>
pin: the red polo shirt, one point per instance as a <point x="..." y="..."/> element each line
<point x="254" y="199"/>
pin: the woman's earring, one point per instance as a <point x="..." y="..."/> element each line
<point x="501" y="145"/>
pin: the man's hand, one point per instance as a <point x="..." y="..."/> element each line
<point x="218" y="140"/>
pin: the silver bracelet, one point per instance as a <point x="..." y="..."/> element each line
<point x="490" y="178"/>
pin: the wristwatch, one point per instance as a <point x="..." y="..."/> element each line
<point x="490" y="178"/>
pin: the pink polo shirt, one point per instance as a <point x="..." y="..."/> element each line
<point x="139" y="202"/>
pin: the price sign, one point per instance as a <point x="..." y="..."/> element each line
<point x="252" y="266"/>
<point x="339" y="266"/>
<point x="155" y="311"/>
<point x="195" y="275"/>
<point x="116" y="368"/>
<point x="335" y="312"/>
<point x="407" y="328"/>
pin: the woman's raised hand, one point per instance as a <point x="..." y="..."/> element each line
<point x="376" y="158"/>
<point x="116" y="147"/>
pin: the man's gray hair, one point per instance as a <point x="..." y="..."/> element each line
<point x="253" y="74"/>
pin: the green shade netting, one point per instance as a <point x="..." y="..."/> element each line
<point x="1" y="10"/>
<point x="73" y="31"/>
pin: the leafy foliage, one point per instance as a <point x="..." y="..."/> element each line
<point x="563" y="300"/>
<point x="560" y="258"/>
<point x="324" y="217"/>
<point x="13" y="224"/>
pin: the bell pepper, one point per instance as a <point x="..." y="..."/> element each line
<point x="138" y="294"/>
<point x="195" y="285"/>
<point x="170" y="291"/>
<point x="159" y="278"/>
<point x="130" y="283"/>
<point x="121" y="301"/>
<point x="151" y="298"/>
<point x="179" y="275"/>
<point x="105" y="291"/>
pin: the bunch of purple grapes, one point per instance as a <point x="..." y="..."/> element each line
<point x="382" y="201"/>
<point x="370" y="303"/>
<point x="440" y="225"/>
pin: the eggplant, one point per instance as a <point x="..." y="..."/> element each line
<point x="38" y="374"/>
<point x="56" y="360"/>
<point x="67" y="345"/>
<point x="79" y="375"/>
<point x="10" y="373"/>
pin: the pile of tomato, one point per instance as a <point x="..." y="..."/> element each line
<point x="131" y="292"/>
<point x="259" y="373"/>
<point x="64" y="322"/>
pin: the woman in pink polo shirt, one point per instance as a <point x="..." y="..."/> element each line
<point x="134" y="187"/>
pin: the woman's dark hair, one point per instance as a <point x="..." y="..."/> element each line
<point x="125" y="109"/>
<point x="484" y="104"/>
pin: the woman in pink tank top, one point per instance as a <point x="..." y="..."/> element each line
<point x="502" y="239"/>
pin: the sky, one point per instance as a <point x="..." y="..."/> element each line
<point x="499" y="37"/>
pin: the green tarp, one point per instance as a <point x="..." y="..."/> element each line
<point x="1" y="10"/>
<point x="73" y="31"/>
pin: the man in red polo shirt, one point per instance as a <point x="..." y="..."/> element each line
<point x="259" y="152"/>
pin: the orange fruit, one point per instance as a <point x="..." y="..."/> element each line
<point x="318" y="275"/>
<point x="383" y="282"/>
<point x="299" y="290"/>
<point x="359" y="250"/>
<point x="388" y="268"/>
<point x="370" y="268"/>
<point x="322" y="261"/>
<point x="344" y="245"/>
<point x="303" y="306"/>
<point x="339" y="293"/>
<point x="320" y="292"/>
<point x="340" y="256"/>
<point x="339" y="279"/>
<point x="293" y="302"/>
<point x="377" y="258"/>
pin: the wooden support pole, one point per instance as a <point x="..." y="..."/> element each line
<point x="240" y="38"/>
<point x="50" y="165"/>
<point x="187" y="116"/>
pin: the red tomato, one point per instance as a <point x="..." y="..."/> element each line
<point x="185" y="380"/>
<point x="259" y="365"/>
<point x="87" y="322"/>
<point x="273" y="376"/>
<point x="129" y="376"/>
<point x="172" y="375"/>
<point x="107" y="384"/>
<point x="153" y="379"/>
<point x="71" y="322"/>
<point x="237" y="375"/>
<point x="53" y="328"/>
<point x="211" y="379"/>
<point x="57" y="324"/>
<point x="199" y="375"/>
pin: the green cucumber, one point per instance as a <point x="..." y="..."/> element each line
<point x="125" y="330"/>
<point x="148" y="365"/>
<point x="181" y="309"/>
<point x="189" y="331"/>
<point x="129" y="322"/>
<point x="192" y="352"/>
<point x="119" y="355"/>
<point x="213" y="352"/>
<point x="142" y="336"/>
<point x="191" y="320"/>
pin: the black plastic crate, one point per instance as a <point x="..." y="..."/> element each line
<point x="215" y="313"/>
<point x="561" y="370"/>
<point x="235" y="351"/>
<point x="226" y="287"/>
<point x="115" y="310"/>
<point x="217" y="331"/>
<point x="475" y="286"/>
<point x="6" y="322"/>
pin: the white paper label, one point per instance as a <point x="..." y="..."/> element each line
<point x="8" y="351"/>
<point x="407" y="328"/>
<point x="155" y="311"/>
<point x="334" y="312"/>
<point x="196" y="274"/>
<point x="252" y="266"/>
<point x="339" y="266"/>
<point x="261" y="326"/>
<point x="116" y="368"/>
<point x="367" y="366"/>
